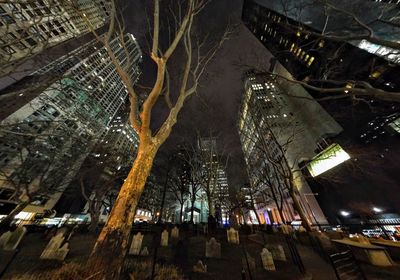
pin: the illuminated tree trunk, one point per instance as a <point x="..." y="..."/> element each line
<point x="193" y="200"/>
<point x="109" y="252"/>
<point x="297" y="206"/>
<point x="181" y="212"/>
<point x="210" y="204"/>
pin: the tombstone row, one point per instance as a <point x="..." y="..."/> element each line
<point x="10" y="240"/>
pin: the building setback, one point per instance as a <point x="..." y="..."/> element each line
<point x="60" y="125"/>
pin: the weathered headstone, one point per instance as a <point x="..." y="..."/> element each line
<point x="267" y="260"/>
<point x="277" y="252"/>
<point x="213" y="249"/>
<point x="200" y="267"/>
<point x="14" y="239"/>
<point x="302" y="229"/>
<point x="4" y="238"/>
<point x="175" y="233"/>
<point x="233" y="236"/>
<point x="205" y="229"/>
<point x="144" y="252"/>
<point x="164" y="238"/>
<point x="54" y="250"/>
<point x="286" y="229"/>
<point x="136" y="244"/>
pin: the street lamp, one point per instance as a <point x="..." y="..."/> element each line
<point x="377" y="210"/>
<point x="344" y="213"/>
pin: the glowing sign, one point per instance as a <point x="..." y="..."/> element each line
<point x="327" y="159"/>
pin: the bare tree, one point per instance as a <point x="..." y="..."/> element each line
<point x="99" y="178"/>
<point x="113" y="240"/>
<point x="152" y="196"/>
<point x="179" y="185"/>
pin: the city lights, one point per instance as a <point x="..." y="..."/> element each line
<point x="344" y="213"/>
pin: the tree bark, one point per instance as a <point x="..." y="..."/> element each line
<point x="181" y="212"/>
<point x="192" y="210"/>
<point x="109" y="251"/>
<point x="163" y="199"/>
<point x="297" y="206"/>
<point x="210" y="205"/>
<point x="94" y="216"/>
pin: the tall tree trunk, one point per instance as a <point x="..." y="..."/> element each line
<point x="94" y="211"/>
<point x="210" y="205"/>
<point x="297" y="206"/>
<point x="163" y="199"/>
<point x="181" y="212"/>
<point x="192" y="210"/>
<point x="109" y="251"/>
<point x="275" y="198"/>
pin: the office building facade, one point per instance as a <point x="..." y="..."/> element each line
<point x="370" y="125"/>
<point x="278" y="132"/>
<point x="61" y="124"/>
<point x="29" y="27"/>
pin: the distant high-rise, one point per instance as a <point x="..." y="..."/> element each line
<point x="29" y="27"/>
<point x="59" y="123"/>
<point x="278" y="131"/>
<point x="218" y="183"/>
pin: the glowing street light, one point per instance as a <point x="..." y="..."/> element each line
<point x="377" y="210"/>
<point x="344" y="213"/>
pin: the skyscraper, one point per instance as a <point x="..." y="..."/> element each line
<point x="278" y="131"/>
<point x="29" y="27"/>
<point x="299" y="36"/>
<point x="63" y="118"/>
<point x="214" y="169"/>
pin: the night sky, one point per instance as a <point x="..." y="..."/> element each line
<point x="216" y="104"/>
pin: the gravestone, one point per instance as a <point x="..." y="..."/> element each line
<point x="233" y="236"/>
<point x="54" y="250"/>
<point x="200" y="267"/>
<point x="14" y="239"/>
<point x="286" y="229"/>
<point x="4" y="238"/>
<point x="175" y="233"/>
<point x="277" y="252"/>
<point x="164" y="238"/>
<point x="144" y="252"/>
<point x="205" y="229"/>
<point x="213" y="249"/>
<point x="302" y="229"/>
<point x="136" y="244"/>
<point x="267" y="260"/>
